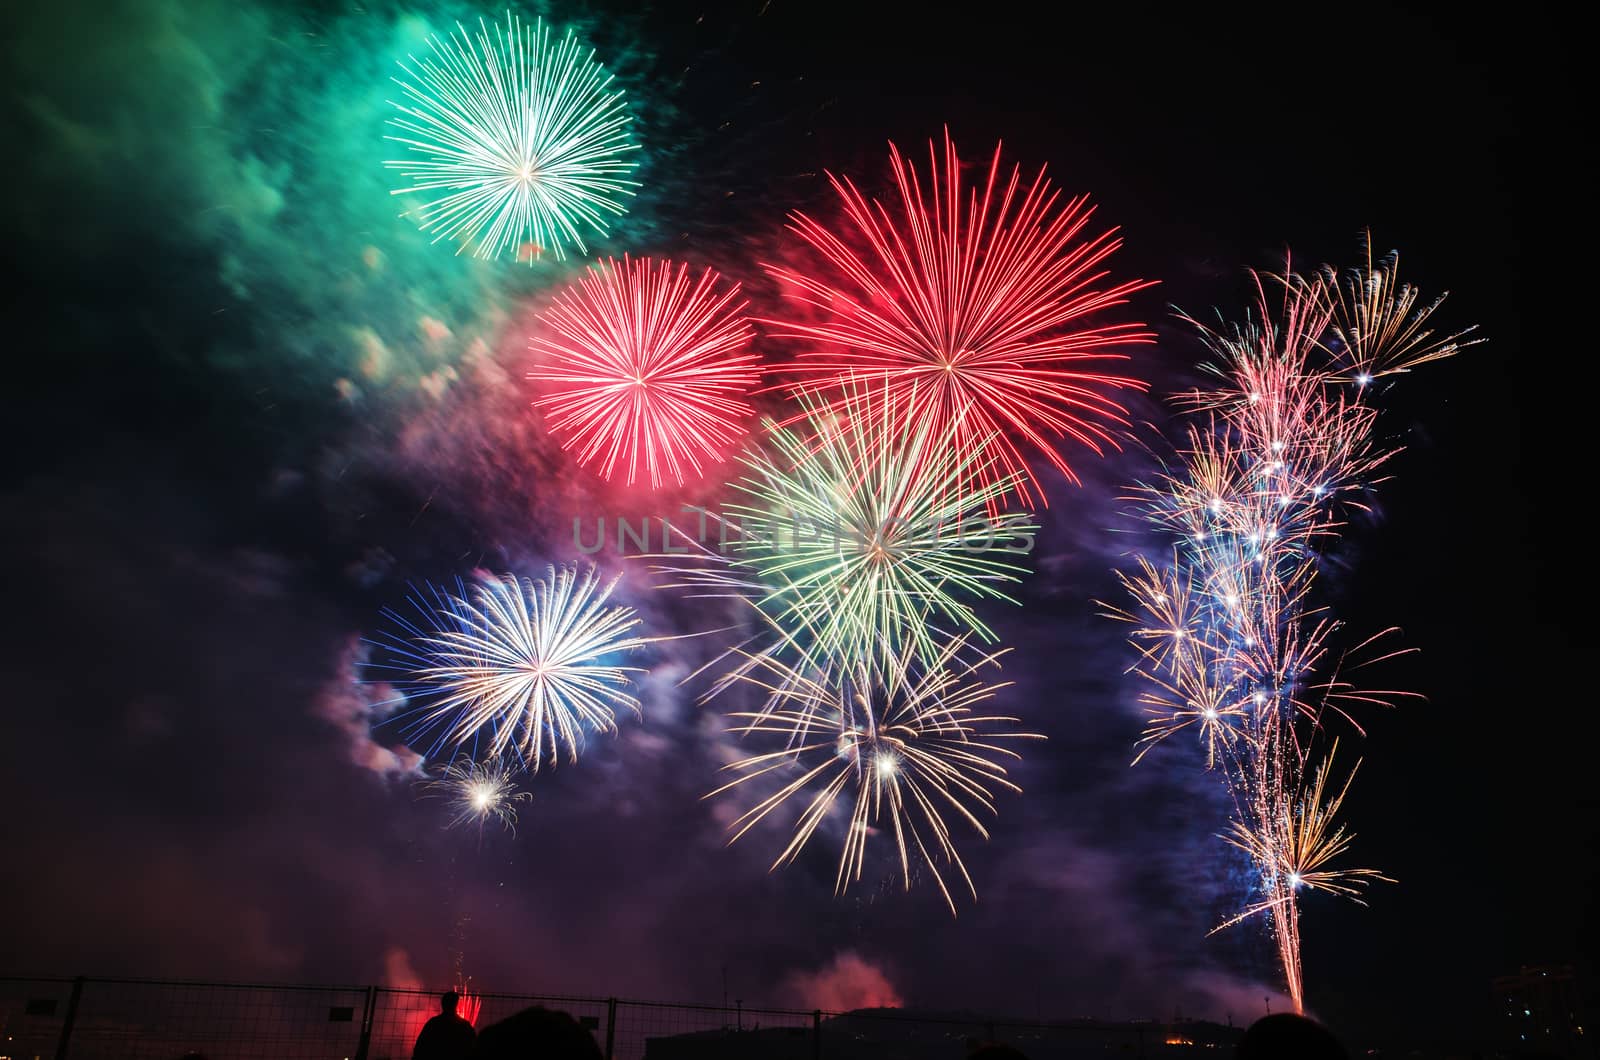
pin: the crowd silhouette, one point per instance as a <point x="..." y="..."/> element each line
<point x="539" y="1033"/>
<point x="535" y="1033"/>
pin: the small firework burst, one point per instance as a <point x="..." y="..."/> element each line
<point x="479" y="792"/>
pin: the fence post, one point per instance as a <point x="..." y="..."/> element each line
<point x="368" y="1013"/>
<point x="611" y="1027"/>
<point x="71" y="1017"/>
<point x="816" y="1034"/>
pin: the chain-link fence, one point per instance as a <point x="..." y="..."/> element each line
<point x="137" y="1019"/>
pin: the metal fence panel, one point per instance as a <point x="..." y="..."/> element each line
<point x="124" y="1019"/>
<point x="32" y="1013"/>
<point x="130" y="1019"/>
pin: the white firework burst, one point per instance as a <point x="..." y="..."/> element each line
<point x="479" y="792"/>
<point x="520" y="665"/>
<point x="518" y="141"/>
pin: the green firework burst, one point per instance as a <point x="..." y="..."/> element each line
<point x="862" y="535"/>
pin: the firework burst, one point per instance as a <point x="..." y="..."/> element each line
<point x="974" y="305"/>
<point x="518" y="665"/>
<point x="1380" y="326"/>
<point x="863" y="536"/>
<point x="1297" y="841"/>
<point x="645" y="369"/>
<point x="898" y="753"/>
<point x="516" y="141"/>
<point x="479" y="793"/>
<point x="1231" y="642"/>
<point x="1290" y="832"/>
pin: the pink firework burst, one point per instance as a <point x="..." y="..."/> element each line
<point x="973" y="306"/>
<point x="645" y="369"/>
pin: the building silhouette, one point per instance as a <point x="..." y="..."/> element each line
<point x="1545" y="1007"/>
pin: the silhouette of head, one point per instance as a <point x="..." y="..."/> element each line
<point x="1285" y="1036"/>
<point x="536" y="1034"/>
<point x="996" y="1051"/>
<point x="448" y="1002"/>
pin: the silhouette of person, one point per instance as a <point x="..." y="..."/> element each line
<point x="1286" y="1036"/>
<point x="446" y="1036"/>
<point x="537" y="1033"/>
<point x="996" y="1051"/>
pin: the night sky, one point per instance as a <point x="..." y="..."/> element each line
<point x="237" y="431"/>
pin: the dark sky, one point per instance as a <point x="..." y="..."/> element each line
<point x="205" y="515"/>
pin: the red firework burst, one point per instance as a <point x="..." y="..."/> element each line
<point x="971" y="314"/>
<point x="646" y="369"/>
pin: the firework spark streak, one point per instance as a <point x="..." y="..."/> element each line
<point x="975" y="310"/>
<point x="864" y="534"/>
<point x="1378" y="329"/>
<point x="478" y="793"/>
<point x="517" y="141"/>
<point x="1232" y="646"/>
<point x="469" y="1006"/>
<point x="519" y="665"/>
<point x="891" y="751"/>
<point x="645" y="369"/>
